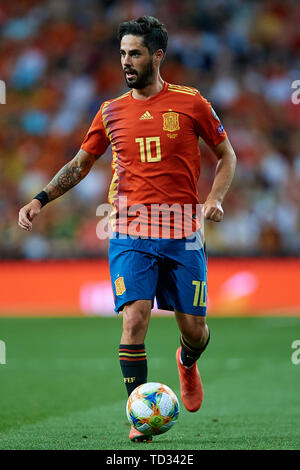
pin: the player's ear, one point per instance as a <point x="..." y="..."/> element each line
<point x="158" y="56"/>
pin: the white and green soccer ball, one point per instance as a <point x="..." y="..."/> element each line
<point x="152" y="408"/>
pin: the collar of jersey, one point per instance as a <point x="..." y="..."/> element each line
<point x="164" y="88"/>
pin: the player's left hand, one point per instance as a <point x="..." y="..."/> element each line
<point x="213" y="210"/>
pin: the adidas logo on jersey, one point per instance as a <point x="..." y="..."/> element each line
<point x="146" y="115"/>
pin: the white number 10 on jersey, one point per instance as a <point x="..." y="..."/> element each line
<point x="145" y="149"/>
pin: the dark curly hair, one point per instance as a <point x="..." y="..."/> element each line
<point x="154" y="33"/>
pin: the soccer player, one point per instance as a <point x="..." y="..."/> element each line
<point x="154" y="131"/>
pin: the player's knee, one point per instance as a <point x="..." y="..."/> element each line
<point x="197" y="335"/>
<point x="135" y="322"/>
<point x="133" y="325"/>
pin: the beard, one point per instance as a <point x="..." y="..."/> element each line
<point x="143" y="78"/>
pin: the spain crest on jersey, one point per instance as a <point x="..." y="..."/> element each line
<point x="171" y="121"/>
<point x="120" y="286"/>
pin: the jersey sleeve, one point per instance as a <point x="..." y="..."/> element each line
<point x="96" y="140"/>
<point x="207" y="124"/>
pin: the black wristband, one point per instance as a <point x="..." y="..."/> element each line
<point x="42" y="197"/>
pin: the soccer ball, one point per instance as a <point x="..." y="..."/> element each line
<point x="152" y="408"/>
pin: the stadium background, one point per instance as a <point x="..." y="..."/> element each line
<point x="60" y="60"/>
<point x="60" y="381"/>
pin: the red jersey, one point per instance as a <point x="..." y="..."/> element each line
<point x="155" y="157"/>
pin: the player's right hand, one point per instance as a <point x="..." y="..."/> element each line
<point x="28" y="213"/>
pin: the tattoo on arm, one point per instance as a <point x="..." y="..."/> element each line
<point x="68" y="176"/>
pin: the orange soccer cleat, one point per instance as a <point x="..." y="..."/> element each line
<point x="190" y="384"/>
<point x="137" y="436"/>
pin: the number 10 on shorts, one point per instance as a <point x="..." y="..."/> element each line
<point x="200" y="294"/>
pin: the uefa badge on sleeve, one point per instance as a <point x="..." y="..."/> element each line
<point x="220" y="129"/>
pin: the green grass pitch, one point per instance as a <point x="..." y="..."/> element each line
<point x="61" y="386"/>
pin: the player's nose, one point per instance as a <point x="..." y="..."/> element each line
<point x="127" y="62"/>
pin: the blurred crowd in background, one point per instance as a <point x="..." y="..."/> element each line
<point x="60" y="60"/>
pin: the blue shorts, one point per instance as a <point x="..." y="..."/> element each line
<point x="145" y="268"/>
